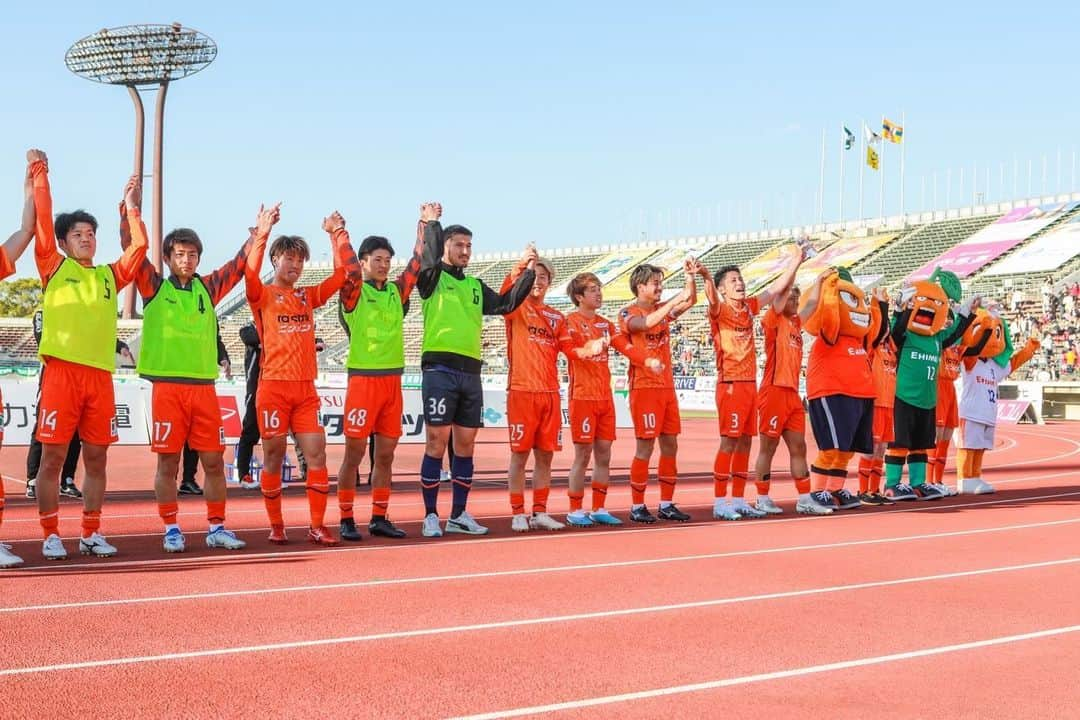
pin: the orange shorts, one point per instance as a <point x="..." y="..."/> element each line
<point x="592" y="420"/>
<point x="736" y="403"/>
<point x="883" y="425"/>
<point x="283" y="405"/>
<point x="947" y="415"/>
<point x="76" y="397"/>
<point x="655" y="412"/>
<point x="535" y="421"/>
<point x="373" y="404"/>
<point x="779" y="410"/>
<point x="185" y="413"/>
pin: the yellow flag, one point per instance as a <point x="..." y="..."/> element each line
<point x="871" y="157"/>
<point x="892" y="132"/>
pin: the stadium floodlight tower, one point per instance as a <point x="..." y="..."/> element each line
<point x="141" y="57"/>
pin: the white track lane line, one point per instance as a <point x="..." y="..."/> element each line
<point x="770" y="676"/>
<point x="425" y="544"/>
<point x="199" y="597"/>
<point x="548" y="620"/>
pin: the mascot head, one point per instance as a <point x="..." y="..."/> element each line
<point x="985" y="323"/>
<point x="929" y="309"/>
<point x="854" y="312"/>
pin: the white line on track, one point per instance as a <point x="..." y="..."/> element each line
<point x="548" y="620"/>
<point x="198" y="597"/>
<point x="778" y="675"/>
<point x="174" y="561"/>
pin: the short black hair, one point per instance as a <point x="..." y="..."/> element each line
<point x="65" y="221"/>
<point x="372" y="243"/>
<point x="722" y="273"/>
<point x="184" y="236"/>
<point x="290" y="243"/>
<point x="642" y="274"/>
<point x="452" y="230"/>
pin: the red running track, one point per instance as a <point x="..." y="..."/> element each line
<point x="959" y="608"/>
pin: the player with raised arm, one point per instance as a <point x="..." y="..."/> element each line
<point x="373" y="309"/>
<point x="179" y="356"/>
<point x="731" y="322"/>
<point x="592" y="406"/>
<point x="454" y="306"/>
<point x="287" y="399"/>
<point x="10" y="252"/>
<point x="535" y="335"/>
<point x="78" y="347"/>
<point x="653" y="404"/>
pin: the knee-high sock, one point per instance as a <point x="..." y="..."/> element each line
<point x="91" y="522"/>
<point x="866" y="468"/>
<point x="430" y="470"/>
<point x="977" y="463"/>
<point x="461" y="470"/>
<point x="668" y="474"/>
<point x="763" y="483"/>
<point x="963" y="463"/>
<point x="380" y="502"/>
<point x="875" y="474"/>
<point x="50" y="522"/>
<point x="270" y="484"/>
<point x="838" y="473"/>
<point x="819" y="471"/>
<point x="540" y="498"/>
<point x="639" y="479"/>
<point x="517" y="503"/>
<point x="318" y="491"/>
<point x="346" y="497"/>
<point x="215" y="513"/>
<point x="894" y="466"/>
<point x="941" y="454"/>
<point x="740" y="466"/>
<point x="721" y="470"/>
<point x="576" y="499"/>
<point x="916" y="463"/>
<point x="599" y="493"/>
<point x="802" y="485"/>
<point x="167" y="512"/>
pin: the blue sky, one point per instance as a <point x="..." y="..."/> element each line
<point x="565" y="124"/>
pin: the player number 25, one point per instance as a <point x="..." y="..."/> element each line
<point x="517" y="431"/>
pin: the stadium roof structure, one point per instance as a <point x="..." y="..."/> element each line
<point x="135" y="55"/>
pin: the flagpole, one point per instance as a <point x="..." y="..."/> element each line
<point x="843" y="141"/>
<point x="862" y="166"/>
<point x="881" y="172"/>
<point x="903" y="151"/>
<point x="821" y="183"/>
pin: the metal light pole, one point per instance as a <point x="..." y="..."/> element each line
<point x="142" y="56"/>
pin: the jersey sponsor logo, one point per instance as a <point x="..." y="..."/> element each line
<point x="926" y="357"/>
<point x="73" y="281"/>
<point x="856" y="351"/>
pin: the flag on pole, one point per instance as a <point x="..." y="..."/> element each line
<point x="871" y="157"/>
<point x="872" y="138"/>
<point x="849" y="138"/>
<point x="893" y="133"/>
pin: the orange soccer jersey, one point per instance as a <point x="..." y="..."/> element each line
<point x="883" y="363"/>
<point x="733" y="336"/>
<point x="783" y="349"/>
<point x="535" y="334"/>
<point x="653" y="343"/>
<point x="842" y="368"/>
<point x="286" y="324"/>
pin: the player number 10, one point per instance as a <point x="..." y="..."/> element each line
<point x="649" y="420"/>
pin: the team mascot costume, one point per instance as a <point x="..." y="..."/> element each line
<point x="839" y="385"/>
<point x="920" y="331"/>
<point x="988" y="359"/>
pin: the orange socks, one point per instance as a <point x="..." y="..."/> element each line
<point x="721" y="469"/>
<point x="941" y="453"/>
<point x="270" y="484"/>
<point x="215" y="513"/>
<point x="819" y="471"/>
<point x="802" y="485"/>
<point x="668" y="473"/>
<point x="763" y="483"/>
<point x="576" y="499"/>
<point x="639" y="479"/>
<point x="599" y="494"/>
<point x="50" y="523"/>
<point x="91" y="522"/>
<point x="318" y="490"/>
<point x="740" y="464"/>
<point x="380" y="502"/>
<point x="866" y="469"/>
<point x="346" y="497"/>
<point x="540" y="498"/>
<point x="168" y="511"/>
<point x="517" y="503"/>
